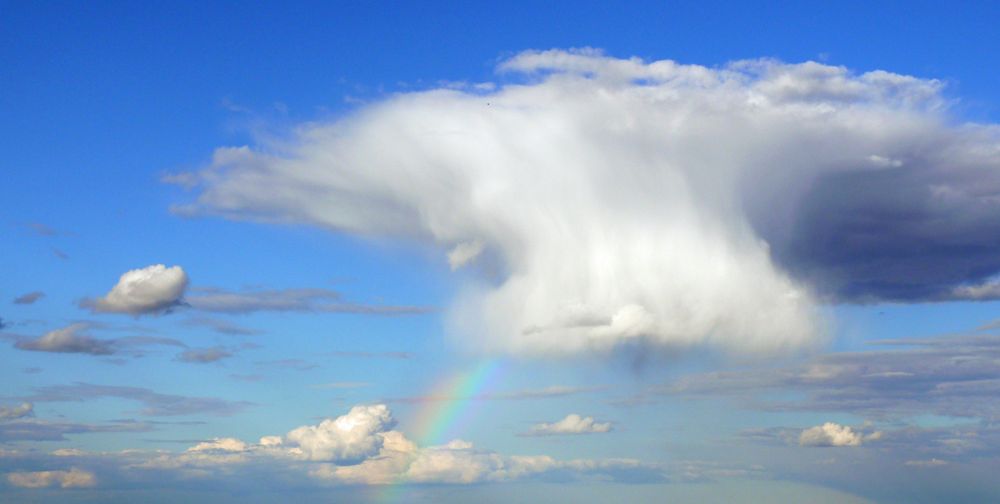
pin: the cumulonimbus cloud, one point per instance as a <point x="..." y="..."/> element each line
<point x="625" y="201"/>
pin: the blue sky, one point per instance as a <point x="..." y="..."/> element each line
<point x="563" y="251"/>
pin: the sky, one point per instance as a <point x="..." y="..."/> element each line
<point x="444" y="252"/>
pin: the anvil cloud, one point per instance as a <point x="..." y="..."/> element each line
<point x="614" y="202"/>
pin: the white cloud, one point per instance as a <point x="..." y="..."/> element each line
<point x="572" y="424"/>
<point x="833" y="434"/>
<point x="220" y="445"/>
<point x="354" y="436"/>
<point x="74" y="478"/>
<point x="621" y="201"/>
<point x="150" y="290"/>
<point x="464" y="253"/>
<point x="360" y="448"/>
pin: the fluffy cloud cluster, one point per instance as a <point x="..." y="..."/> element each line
<point x="74" y="478"/>
<point x="572" y="424"/>
<point x="351" y="437"/>
<point x="150" y="290"/>
<point x="360" y="447"/>
<point x="833" y="434"/>
<point x="611" y="202"/>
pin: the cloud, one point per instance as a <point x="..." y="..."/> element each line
<point x="832" y="434"/>
<point x="146" y="291"/>
<point x="926" y="463"/>
<point x="221" y="326"/>
<point x="288" y="300"/>
<point x="29" y="298"/>
<point x="620" y="201"/>
<point x="74" y="478"/>
<point x="955" y="375"/>
<point x="42" y="229"/>
<point x="360" y="448"/>
<point x="44" y="430"/>
<point x="351" y="437"/>
<point x="204" y="355"/>
<point x="14" y="412"/>
<point x="71" y="339"/>
<point x="156" y="404"/>
<point x="542" y="393"/>
<point x="68" y="340"/>
<point x="572" y="424"/>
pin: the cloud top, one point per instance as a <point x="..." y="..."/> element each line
<point x="151" y="290"/>
<point x="611" y="202"/>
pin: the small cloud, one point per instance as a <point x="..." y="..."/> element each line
<point x="572" y="424"/>
<point x="926" y="463"/>
<point x="221" y="326"/>
<point x="14" y="412"/>
<point x="42" y="229"/>
<point x="29" y="298"/>
<point x="342" y="385"/>
<point x="151" y="290"/>
<point x="288" y="300"/>
<point x="187" y="180"/>
<point x="884" y="162"/>
<point x="464" y="253"/>
<point x="74" y="478"/>
<point x="833" y="434"/>
<point x="204" y="355"/>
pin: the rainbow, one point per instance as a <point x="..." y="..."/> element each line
<point x="454" y="402"/>
<point x="448" y="408"/>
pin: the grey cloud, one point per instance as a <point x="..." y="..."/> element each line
<point x="72" y="339"/>
<point x="29" y="298"/>
<point x="516" y="395"/>
<point x="371" y="355"/>
<point x="949" y="375"/>
<point x="42" y="229"/>
<point x="296" y="364"/>
<point x="155" y="404"/>
<point x="204" y="355"/>
<point x="288" y="300"/>
<point x="221" y="326"/>
<point x="68" y="340"/>
<point x="42" y="430"/>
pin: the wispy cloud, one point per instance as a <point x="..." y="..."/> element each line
<point x="949" y="375"/>
<point x="204" y="355"/>
<point x="155" y="404"/>
<point x="74" y="339"/>
<point x="29" y="298"/>
<point x="288" y="300"/>
<point x="516" y="395"/>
